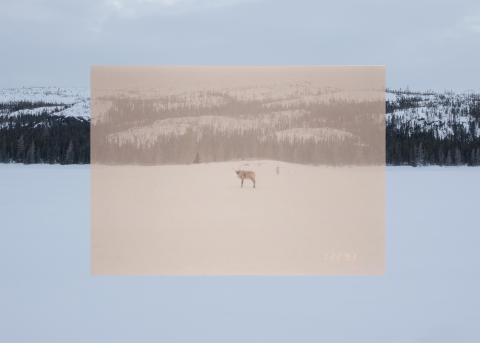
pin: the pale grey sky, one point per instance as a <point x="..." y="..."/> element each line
<point x="424" y="44"/>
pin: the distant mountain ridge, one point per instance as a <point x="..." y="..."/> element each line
<point x="51" y="125"/>
<point x="68" y="102"/>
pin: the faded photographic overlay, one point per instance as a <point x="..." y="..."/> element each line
<point x="218" y="170"/>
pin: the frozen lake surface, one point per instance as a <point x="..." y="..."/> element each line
<point x="428" y="294"/>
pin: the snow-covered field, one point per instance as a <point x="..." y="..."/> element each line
<point x="196" y="219"/>
<point x="428" y="294"/>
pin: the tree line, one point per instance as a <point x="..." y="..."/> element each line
<point x="414" y="145"/>
<point x="47" y="138"/>
<point x="44" y="138"/>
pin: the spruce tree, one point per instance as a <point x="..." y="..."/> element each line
<point x="20" y="156"/>
<point x="197" y="158"/>
<point x="70" y="154"/>
<point x="31" y="155"/>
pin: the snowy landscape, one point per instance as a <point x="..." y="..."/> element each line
<point x="60" y="101"/>
<point x="198" y="219"/>
<point x="442" y="112"/>
<point x="284" y="114"/>
<point x="52" y="125"/>
<point x="428" y="293"/>
<point x="196" y="171"/>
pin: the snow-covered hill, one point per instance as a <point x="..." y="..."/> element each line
<point x="430" y="127"/>
<point x="441" y="112"/>
<point x="45" y="125"/>
<point x="279" y="124"/>
<point x="67" y="102"/>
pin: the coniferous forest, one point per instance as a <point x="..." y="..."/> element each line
<point x="44" y="138"/>
<point x="427" y="128"/>
<point x="422" y="128"/>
